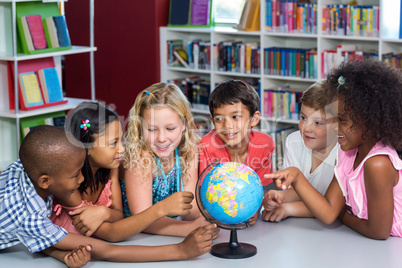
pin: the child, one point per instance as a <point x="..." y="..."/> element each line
<point x="234" y="112"/>
<point x="313" y="150"/>
<point x="98" y="204"/>
<point x="50" y="166"/>
<point x="366" y="191"/>
<point x="161" y="156"/>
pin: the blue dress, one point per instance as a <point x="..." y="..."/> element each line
<point x="160" y="190"/>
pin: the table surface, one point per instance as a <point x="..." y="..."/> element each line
<point x="294" y="242"/>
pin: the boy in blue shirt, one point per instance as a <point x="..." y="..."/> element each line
<point x="50" y="167"/>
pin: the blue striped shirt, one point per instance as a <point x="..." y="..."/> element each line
<point x="24" y="215"/>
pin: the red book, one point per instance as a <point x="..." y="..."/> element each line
<point x="37" y="32"/>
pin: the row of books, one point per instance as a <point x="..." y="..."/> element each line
<point x="236" y="56"/>
<point x="38" y="34"/>
<point x="197" y="56"/>
<point x="196" y="89"/>
<point x="56" y="119"/>
<point x="282" y="102"/>
<point x="351" y="20"/>
<point x="332" y="58"/>
<point x="291" y="62"/>
<point x="393" y="60"/>
<point x="279" y="136"/>
<point x="291" y="17"/>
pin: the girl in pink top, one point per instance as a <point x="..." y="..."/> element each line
<point x="366" y="192"/>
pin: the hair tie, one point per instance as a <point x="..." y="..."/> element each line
<point x="85" y="124"/>
<point x="341" y="81"/>
<point x="148" y="92"/>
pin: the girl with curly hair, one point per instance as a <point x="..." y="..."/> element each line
<point x="366" y="192"/>
<point x="161" y="157"/>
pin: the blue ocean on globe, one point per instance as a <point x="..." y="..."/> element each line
<point x="231" y="193"/>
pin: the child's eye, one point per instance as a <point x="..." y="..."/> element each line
<point x="218" y="119"/>
<point x="236" y="116"/>
<point x="171" y="129"/>
<point x="151" y="129"/>
<point x="318" y="123"/>
<point x="302" y="118"/>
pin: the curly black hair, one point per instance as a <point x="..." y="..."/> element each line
<point x="372" y="95"/>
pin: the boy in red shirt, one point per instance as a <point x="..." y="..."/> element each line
<point x="234" y="112"/>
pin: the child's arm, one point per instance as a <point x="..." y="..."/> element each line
<point x="75" y="258"/>
<point x="177" y="204"/>
<point x="291" y="209"/>
<point x="195" y="244"/>
<point x="326" y="209"/>
<point x="380" y="177"/>
<point x="139" y="197"/>
<point x="88" y="218"/>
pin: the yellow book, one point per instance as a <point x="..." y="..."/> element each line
<point x="30" y="90"/>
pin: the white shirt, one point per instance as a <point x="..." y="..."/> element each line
<point x="298" y="155"/>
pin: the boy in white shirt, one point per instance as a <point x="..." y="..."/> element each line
<point x="313" y="150"/>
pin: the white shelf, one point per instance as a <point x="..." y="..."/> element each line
<point x="21" y="56"/>
<point x="71" y="104"/>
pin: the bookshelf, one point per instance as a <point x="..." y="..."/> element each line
<point x="387" y="41"/>
<point x="10" y="128"/>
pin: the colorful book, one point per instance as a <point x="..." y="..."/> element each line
<point x="30" y="90"/>
<point x="27" y="34"/>
<point x="35" y="26"/>
<point x="62" y="31"/>
<point x="50" y="85"/>
<point x="200" y="12"/>
<point x="51" y="32"/>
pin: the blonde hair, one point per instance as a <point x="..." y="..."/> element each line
<point x="157" y="96"/>
<point x="316" y="97"/>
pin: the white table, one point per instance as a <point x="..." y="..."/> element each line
<point x="290" y="243"/>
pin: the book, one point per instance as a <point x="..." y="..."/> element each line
<point x="250" y="17"/>
<point x="30" y="90"/>
<point x="62" y="31"/>
<point x="50" y="85"/>
<point x="200" y="12"/>
<point x="27" y="34"/>
<point x="179" y="12"/>
<point x="51" y="32"/>
<point x="35" y="31"/>
<point x="56" y="119"/>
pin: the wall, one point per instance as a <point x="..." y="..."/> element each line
<point x="127" y="39"/>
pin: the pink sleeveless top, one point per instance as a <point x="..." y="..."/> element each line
<point x="353" y="188"/>
<point x="62" y="219"/>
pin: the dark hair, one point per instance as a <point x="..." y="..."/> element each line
<point x="99" y="116"/>
<point x="44" y="150"/>
<point x="372" y="95"/>
<point x="234" y="91"/>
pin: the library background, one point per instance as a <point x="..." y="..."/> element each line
<point x="84" y="51"/>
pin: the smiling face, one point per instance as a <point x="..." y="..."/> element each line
<point x="163" y="129"/>
<point x="108" y="147"/>
<point x="317" y="129"/>
<point x="62" y="184"/>
<point x="233" y="124"/>
<point x="349" y="136"/>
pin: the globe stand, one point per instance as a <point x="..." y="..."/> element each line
<point x="233" y="249"/>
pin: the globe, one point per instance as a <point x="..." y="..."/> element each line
<point x="229" y="194"/>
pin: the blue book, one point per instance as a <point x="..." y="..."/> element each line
<point x="62" y="31"/>
<point x="50" y="84"/>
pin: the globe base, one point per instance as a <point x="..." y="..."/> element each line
<point x="233" y="249"/>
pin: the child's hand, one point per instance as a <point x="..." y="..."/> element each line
<point x="272" y="199"/>
<point x="276" y="215"/>
<point x="254" y="218"/>
<point x="202" y="222"/>
<point x="198" y="242"/>
<point x="177" y="204"/>
<point x="284" y="178"/>
<point x="87" y="219"/>
<point x="78" y="257"/>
